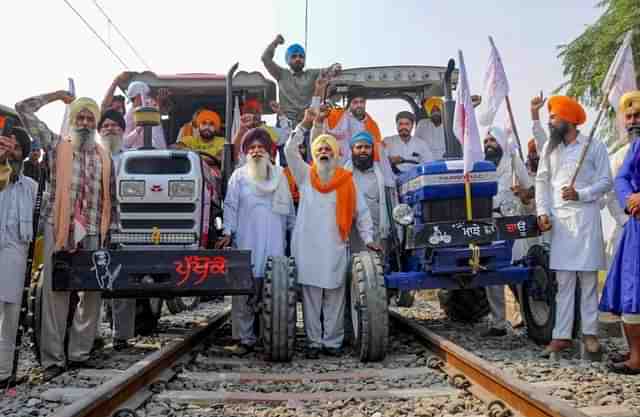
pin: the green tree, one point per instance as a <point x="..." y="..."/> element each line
<point x="586" y="59"/>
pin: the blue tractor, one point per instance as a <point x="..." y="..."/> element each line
<point x="434" y="245"/>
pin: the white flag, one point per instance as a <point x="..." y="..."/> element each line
<point x="621" y="77"/>
<point x="465" y="126"/>
<point x="236" y="119"/>
<point x="496" y="87"/>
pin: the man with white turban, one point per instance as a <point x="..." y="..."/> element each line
<point x="78" y="214"/>
<point x="509" y="169"/>
<point x="139" y="94"/>
<point x="258" y="210"/>
<point x="330" y="204"/>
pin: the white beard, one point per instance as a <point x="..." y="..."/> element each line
<point x="326" y="169"/>
<point x="111" y="143"/>
<point x="78" y="140"/>
<point x="258" y="169"/>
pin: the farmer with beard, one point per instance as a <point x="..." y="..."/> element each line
<point x="430" y="129"/>
<point x="258" y="210"/>
<point x="208" y="123"/>
<point x="17" y="200"/>
<point x="572" y="213"/>
<point x="111" y="129"/>
<point x="78" y="215"/>
<point x="330" y="204"/>
<point x="295" y="84"/>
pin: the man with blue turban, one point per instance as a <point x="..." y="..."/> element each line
<point x="295" y="85"/>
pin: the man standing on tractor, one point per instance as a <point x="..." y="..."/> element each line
<point x="330" y="204"/>
<point x="509" y="169"/>
<point x="258" y="210"/>
<point x="111" y="129"/>
<point x="571" y="210"/>
<point x="406" y="151"/>
<point x="78" y="214"/>
<point x="112" y="101"/>
<point x="430" y="129"/>
<point x="140" y="94"/>
<point x="17" y="200"/>
<point x="295" y="85"/>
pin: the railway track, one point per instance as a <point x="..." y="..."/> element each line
<point x="423" y="375"/>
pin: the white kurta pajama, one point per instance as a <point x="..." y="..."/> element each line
<point x="433" y="136"/>
<point x="611" y="203"/>
<point x="577" y="247"/>
<point x="17" y="201"/>
<point x="415" y="149"/>
<point x="258" y="220"/>
<point x="321" y="255"/>
<point x="509" y="165"/>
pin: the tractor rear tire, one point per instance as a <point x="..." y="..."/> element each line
<point x="279" y="308"/>
<point x="369" y="309"/>
<point x="539" y="297"/>
<point x="179" y="304"/>
<point x="467" y="305"/>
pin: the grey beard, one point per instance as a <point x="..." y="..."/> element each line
<point x="112" y="143"/>
<point x="258" y="170"/>
<point x="81" y="136"/>
<point x="326" y="169"/>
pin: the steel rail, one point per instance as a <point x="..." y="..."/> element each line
<point x="109" y="396"/>
<point x="486" y="379"/>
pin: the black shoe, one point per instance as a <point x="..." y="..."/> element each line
<point x="618" y="357"/>
<point x="623" y="368"/>
<point x="98" y="344"/>
<point x="73" y="365"/>
<point x="120" y="344"/>
<point x="494" y="332"/>
<point x="335" y="352"/>
<point x="9" y="383"/>
<point x="312" y="353"/>
<point x="239" y="349"/>
<point x="51" y="372"/>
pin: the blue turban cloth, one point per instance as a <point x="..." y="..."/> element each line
<point x="295" y="49"/>
<point x="361" y="137"/>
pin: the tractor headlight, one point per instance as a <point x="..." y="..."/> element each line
<point x="403" y="214"/>
<point x="182" y="188"/>
<point x="132" y="188"/>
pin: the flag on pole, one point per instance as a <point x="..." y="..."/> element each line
<point x="621" y="77"/>
<point x="236" y="118"/>
<point x="496" y="87"/>
<point x="465" y="126"/>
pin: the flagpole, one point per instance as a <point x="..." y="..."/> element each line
<point x="513" y="127"/>
<point x="467" y="197"/>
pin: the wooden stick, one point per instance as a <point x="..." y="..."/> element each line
<point x="513" y="126"/>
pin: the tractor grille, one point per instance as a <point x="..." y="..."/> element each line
<point x="454" y="209"/>
<point x="158" y="165"/>
<point x="157" y="207"/>
<point x="159" y="223"/>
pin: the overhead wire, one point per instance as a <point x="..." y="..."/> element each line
<point x="106" y="45"/>
<point x="110" y="21"/>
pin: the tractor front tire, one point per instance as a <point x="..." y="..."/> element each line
<point x="279" y="308"/>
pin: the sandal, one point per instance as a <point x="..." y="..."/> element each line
<point x="623" y="368"/>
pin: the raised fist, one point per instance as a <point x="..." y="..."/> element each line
<point x="538" y="102"/>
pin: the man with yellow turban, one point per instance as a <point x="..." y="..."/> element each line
<point x="204" y="138"/>
<point x="572" y="213"/>
<point x="330" y="204"/>
<point x="430" y="129"/>
<point x="78" y="214"/>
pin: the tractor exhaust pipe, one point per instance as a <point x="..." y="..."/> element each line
<point x="227" y="155"/>
<point x="452" y="145"/>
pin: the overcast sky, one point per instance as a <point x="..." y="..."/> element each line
<point x="45" y="42"/>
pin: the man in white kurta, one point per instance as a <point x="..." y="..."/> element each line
<point x="572" y="213"/>
<point x="17" y="200"/>
<point x="500" y="152"/>
<point x="258" y="209"/>
<point x="430" y="129"/>
<point x="320" y="237"/>
<point x="405" y="151"/>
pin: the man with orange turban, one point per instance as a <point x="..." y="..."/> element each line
<point x="572" y="213"/>
<point x="430" y="128"/>
<point x="330" y="204"/>
<point x="207" y="124"/>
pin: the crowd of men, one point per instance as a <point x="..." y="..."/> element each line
<point x="330" y="203"/>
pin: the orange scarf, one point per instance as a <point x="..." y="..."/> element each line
<point x="62" y="202"/>
<point x="335" y="115"/>
<point x="342" y="183"/>
<point x="293" y="187"/>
